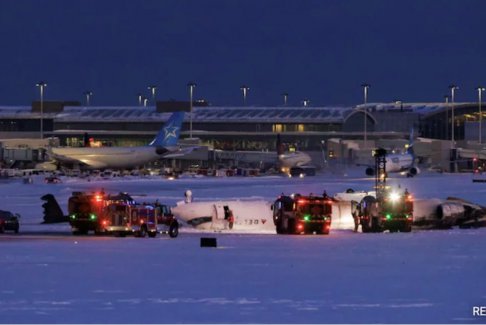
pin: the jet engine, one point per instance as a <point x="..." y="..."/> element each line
<point x="412" y="171"/>
<point x="449" y="212"/>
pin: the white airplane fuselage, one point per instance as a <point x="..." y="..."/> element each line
<point x="249" y="216"/>
<point x="294" y="159"/>
<point x="255" y="216"/>
<point x="107" y="157"/>
<point x="398" y="162"/>
<point x="164" y="143"/>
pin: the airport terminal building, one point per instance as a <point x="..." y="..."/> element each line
<point x="238" y="127"/>
<point x="241" y="128"/>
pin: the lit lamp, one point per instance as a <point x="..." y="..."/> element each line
<point x="285" y="97"/>
<point x="152" y="91"/>
<point x="244" y="89"/>
<point x="88" y="94"/>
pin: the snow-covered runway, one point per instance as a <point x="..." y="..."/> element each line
<point x="418" y="277"/>
<point x="425" y="277"/>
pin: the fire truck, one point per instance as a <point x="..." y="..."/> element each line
<point x="122" y="219"/>
<point x="86" y="209"/>
<point x="390" y="209"/>
<point x="393" y="212"/>
<point x="302" y="214"/>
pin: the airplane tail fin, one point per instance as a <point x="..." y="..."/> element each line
<point x="410" y="143"/>
<point x="169" y="134"/>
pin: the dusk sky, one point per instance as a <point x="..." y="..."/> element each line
<point x="321" y="50"/>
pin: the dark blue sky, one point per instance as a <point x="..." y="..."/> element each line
<point x="321" y="50"/>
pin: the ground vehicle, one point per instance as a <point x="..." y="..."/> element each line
<point x="122" y="219"/>
<point x="9" y="221"/>
<point x="302" y="214"/>
<point x="390" y="210"/>
<point x="394" y="212"/>
<point x="85" y="209"/>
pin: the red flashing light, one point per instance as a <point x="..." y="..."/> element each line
<point x="104" y="222"/>
<point x="301" y="201"/>
<point x="300" y="226"/>
<point x="141" y="221"/>
<point x="98" y="198"/>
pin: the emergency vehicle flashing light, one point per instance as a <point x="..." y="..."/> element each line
<point x="394" y="196"/>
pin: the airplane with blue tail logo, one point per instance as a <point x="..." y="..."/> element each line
<point x="164" y="145"/>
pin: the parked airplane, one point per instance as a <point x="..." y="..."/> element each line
<point x="399" y="162"/>
<point x="164" y="145"/>
<point x="287" y="160"/>
<point x="280" y="158"/>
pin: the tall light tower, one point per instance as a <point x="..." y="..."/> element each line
<point x="446" y="99"/>
<point x="191" y="86"/>
<point x="244" y="89"/>
<point x="41" y="85"/>
<point x="145" y="101"/>
<point x="152" y="91"/>
<point x="480" y="90"/>
<point x="365" y="90"/>
<point x="453" y="89"/>
<point x="306" y="102"/>
<point x="140" y="99"/>
<point x="285" y="97"/>
<point x="88" y="94"/>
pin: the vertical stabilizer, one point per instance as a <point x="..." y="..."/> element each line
<point x="169" y="134"/>
<point x="410" y="143"/>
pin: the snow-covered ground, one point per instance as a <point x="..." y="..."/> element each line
<point x="418" y="277"/>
